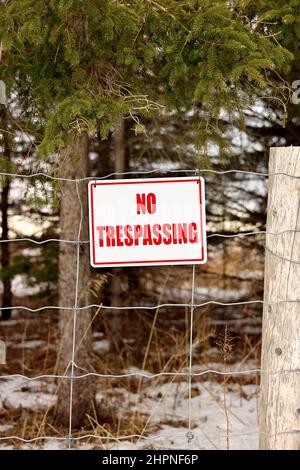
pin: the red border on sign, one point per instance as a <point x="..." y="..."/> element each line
<point x="198" y="181"/>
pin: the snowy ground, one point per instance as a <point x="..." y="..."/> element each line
<point x="163" y="408"/>
<point x="160" y="408"/>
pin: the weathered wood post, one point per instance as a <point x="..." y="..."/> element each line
<point x="280" y="392"/>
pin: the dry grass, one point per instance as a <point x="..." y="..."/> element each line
<point x="154" y="341"/>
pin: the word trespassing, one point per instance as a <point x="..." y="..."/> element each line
<point x="156" y="234"/>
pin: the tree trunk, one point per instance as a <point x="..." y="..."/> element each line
<point x="115" y="285"/>
<point x="5" y="249"/>
<point x="279" y="396"/>
<point x="5" y="253"/>
<point x="75" y="166"/>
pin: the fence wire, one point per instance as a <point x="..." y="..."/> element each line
<point x="70" y="374"/>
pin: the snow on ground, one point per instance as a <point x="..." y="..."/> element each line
<point x="213" y="293"/>
<point x="5" y="427"/>
<point x="167" y="406"/>
<point x="101" y="346"/>
<point x="163" y="409"/>
<point x="31" y="344"/>
<point x="16" y="395"/>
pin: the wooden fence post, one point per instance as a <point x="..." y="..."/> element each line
<point x="280" y="392"/>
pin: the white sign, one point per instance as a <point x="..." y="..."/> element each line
<point x="138" y="222"/>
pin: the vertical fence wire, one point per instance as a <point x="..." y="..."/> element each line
<point x="190" y="434"/>
<point x="74" y="312"/>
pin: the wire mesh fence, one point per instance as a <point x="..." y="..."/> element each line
<point x="70" y="375"/>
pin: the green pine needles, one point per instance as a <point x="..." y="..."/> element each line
<point x="78" y="65"/>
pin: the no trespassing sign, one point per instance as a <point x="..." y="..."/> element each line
<point x="157" y="221"/>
